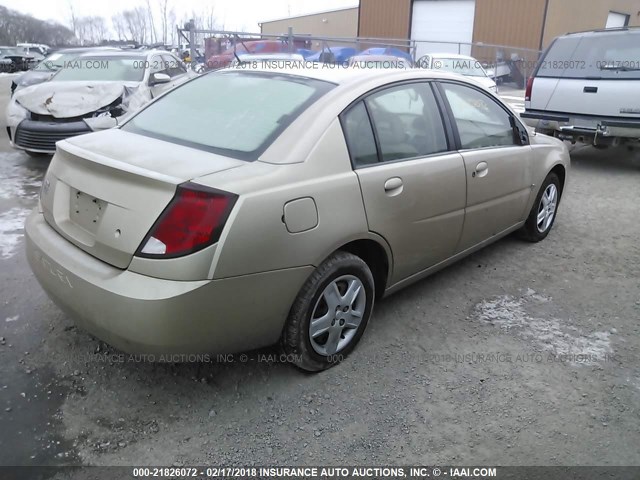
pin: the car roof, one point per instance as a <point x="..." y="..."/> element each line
<point x="618" y="30"/>
<point x="125" y="53"/>
<point x="340" y="74"/>
<point x="88" y="50"/>
<point x="375" y="58"/>
<point x="271" y="56"/>
<point x="450" y="55"/>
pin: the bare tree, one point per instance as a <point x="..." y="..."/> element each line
<point x="208" y="17"/>
<point x="136" y="22"/>
<point x="17" y="27"/>
<point x="171" y="21"/>
<point x="152" y="29"/>
<point x="72" y="17"/>
<point x="164" y="13"/>
<point x="119" y="25"/>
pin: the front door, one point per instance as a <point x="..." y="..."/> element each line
<point x="498" y="165"/>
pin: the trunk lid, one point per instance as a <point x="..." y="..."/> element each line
<point x="104" y="191"/>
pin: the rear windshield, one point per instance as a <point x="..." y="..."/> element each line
<point x="596" y="56"/>
<point x="237" y="114"/>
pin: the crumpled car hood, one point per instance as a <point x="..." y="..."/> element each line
<point x="70" y="99"/>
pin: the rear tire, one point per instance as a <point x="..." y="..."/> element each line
<point x="330" y="313"/>
<point x="544" y="211"/>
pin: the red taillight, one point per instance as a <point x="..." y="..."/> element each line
<point x="527" y="93"/>
<point x="193" y="220"/>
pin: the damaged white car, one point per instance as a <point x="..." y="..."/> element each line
<point x="93" y="92"/>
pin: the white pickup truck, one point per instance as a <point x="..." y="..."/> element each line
<point x="586" y="88"/>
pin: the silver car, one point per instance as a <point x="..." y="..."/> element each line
<point x="282" y="205"/>
<point x="89" y="92"/>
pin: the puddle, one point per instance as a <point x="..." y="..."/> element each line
<point x="30" y="409"/>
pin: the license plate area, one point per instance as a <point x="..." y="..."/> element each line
<point x="85" y="211"/>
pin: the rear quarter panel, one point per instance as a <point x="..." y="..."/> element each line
<point x="256" y="238"/>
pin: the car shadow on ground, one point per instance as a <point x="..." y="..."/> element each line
<point x="614" y="159"/>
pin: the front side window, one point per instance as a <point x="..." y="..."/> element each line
<point x="174" y="66"/>
<point x="481" y="122"/>
<point x="407" y="122"/>
<point x="238" y="114"/>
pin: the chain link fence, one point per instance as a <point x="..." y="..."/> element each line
<point x="505" y="64"/>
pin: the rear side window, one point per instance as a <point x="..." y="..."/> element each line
<point x="606" y="55"/>
<point x="407" y="122"/>
<point x="237" y="114"/>
<point x="481" y="122"/>
<point x="359" y="135"/>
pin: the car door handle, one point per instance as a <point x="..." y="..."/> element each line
<point x="393" y="186"/>
<point x="481" y="170"/>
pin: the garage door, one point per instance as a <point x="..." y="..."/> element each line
<point x="443" y="21"/>
<point x="617" y="20"/>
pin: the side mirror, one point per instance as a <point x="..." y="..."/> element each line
<point x="159" y="78"/>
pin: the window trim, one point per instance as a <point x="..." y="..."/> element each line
<point x="515" y="122"/>
<point x="448" y="131"/>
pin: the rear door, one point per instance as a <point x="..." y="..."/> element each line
<point x="595" y="74"/>
<point x="412" y="185"/>
<point x="497" y="159"/>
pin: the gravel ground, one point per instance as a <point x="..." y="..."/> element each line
<point x="521" y="354"/>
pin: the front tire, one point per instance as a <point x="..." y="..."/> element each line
<point x="330" y="313"/>
<point x="544" y="210"/>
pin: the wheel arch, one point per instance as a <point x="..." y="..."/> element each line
<point x="561" y="172"/>
<point x="375" y="252"/>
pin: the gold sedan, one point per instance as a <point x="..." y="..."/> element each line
<point x="247" y="208"/>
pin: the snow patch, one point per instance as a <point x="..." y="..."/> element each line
<point x="18" y="181"/>
<point x="12" y="319"/>
<point x="549" y="333"/>
<point x="11" y="230"/>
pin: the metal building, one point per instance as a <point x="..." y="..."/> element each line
<point x="531" y="24"/>
<point x="335" y="23"/>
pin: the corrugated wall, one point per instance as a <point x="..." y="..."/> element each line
<point x="385" y="18"/>
<point x="517" y="23"/>
<point x="339" y="23"/>
<point x="577" y="15"/>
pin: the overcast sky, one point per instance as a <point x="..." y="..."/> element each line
<point x="233" y="14"/>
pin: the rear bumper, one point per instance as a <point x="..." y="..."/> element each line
<point x="41" y="137"/>
<point x="141" y="314"/>
<point x="574" y="125"/>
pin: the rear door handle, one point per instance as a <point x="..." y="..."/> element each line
<point x="481" y="170"/>
<point x="393" y="186"/>
<point x="590" y="90"/>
